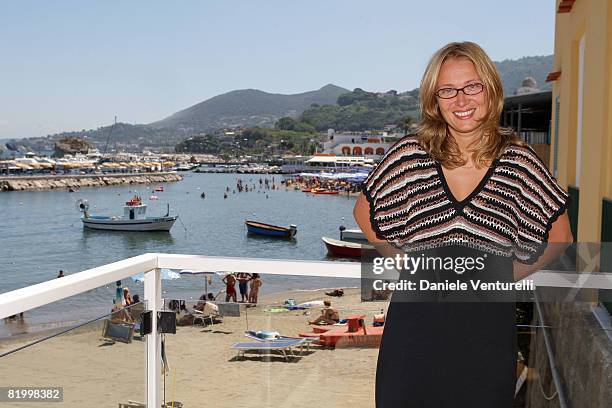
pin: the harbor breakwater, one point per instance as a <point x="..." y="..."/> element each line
<point x="54" y="182"/>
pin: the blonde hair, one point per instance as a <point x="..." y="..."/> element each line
<point x="433" y="132"/>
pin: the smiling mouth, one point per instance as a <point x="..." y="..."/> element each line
<point x="465" y="114"/>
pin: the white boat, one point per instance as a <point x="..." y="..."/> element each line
<point x="134" y="218"/>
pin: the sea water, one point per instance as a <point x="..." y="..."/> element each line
<point x="42" y="233"/>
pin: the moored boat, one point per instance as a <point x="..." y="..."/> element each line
<point x="324" y="191"/>
<point x="260" y="228"/>
<point x="346" y="248"/>
<point x="134" y="218"/>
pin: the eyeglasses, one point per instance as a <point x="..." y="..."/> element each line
<point x="471" y="89"/>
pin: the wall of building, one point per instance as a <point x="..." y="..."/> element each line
<point x="591" y="19"/>
<point x="582" y="349"/>
<point x="583" y="358"/>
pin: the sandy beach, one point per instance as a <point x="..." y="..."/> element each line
<point x="204" y="370"/>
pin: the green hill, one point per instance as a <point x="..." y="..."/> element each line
<point x="330" y="106"/>
<point x="248" y="107"/>
<point x="513" y="72"/>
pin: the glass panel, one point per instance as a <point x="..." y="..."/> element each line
<point x="206" y="365"/>
<point x="99" y="364"/>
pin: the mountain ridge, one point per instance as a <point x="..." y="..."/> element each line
<point x="253" y="107"/>
<point x="261" y="108"/>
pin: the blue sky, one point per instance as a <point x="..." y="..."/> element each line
<point x="72" y="65"/>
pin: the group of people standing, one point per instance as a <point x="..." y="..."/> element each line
<point x="248" y="284"/>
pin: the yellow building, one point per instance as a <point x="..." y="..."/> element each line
<point x="581" y="145"/>
<point x="578" y="348"/>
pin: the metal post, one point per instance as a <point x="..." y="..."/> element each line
<point x="152" y="295"/>
<point x="520" y="109"/>
<point x="551" y="357"/>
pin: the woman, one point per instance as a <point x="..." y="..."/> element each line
<point x="127" y="299"/>
<point x="461" y="188"/>
<point x="255" y="285"/>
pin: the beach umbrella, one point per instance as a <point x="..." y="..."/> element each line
<point x="167" y="274"/>
<point x="208" y="275"/>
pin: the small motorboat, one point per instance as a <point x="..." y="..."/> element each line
<point x="153" y="198"/>
<point x="134" y="218"/>
<point x="159" y="189"/>
<point x="345" y="248"/>
<point x="352" y="243"/>
<point x="259" y="228"/>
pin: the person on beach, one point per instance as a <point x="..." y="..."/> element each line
<point x="60" y="274"/>
<point x="127" y="299"/>
<point x="230" y="287"/>
<point x="256" y="283"/>
<point x="119" y="314"/>
<point x="461" y="188"/>
<point x="329" y="315"/>
<point x="243" y="279"/>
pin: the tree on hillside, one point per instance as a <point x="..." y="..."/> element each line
<point x="71" y="145"/>
<point x="206" y="144"/>
<point x="405" y="123"/>
<point x="286" y="123"/>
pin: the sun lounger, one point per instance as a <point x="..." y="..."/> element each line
<point x="283" y="346"/>
<point x="210" y="312"/>
<point x="251" y="334"/>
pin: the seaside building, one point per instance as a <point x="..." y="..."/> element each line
<point x="578" y="361"/>
<point x="371" y="145"/>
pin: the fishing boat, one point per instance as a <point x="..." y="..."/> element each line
<point x="259" y="228"/>
<point x="134" y="218"/>
<point x="352" y="244"/>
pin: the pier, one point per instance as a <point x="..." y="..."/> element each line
<point x="67" y="181"/>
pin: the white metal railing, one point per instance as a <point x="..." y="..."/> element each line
<point x="41" y="294"/>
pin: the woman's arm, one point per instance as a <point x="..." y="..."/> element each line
<point x="361" y="212"/>
<point x="560" y="236"/>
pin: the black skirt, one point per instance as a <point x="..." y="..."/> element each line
<point x="439" y="350"/>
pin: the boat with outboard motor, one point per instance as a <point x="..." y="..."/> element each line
<point x="352" y="243"/>
<point x="134" y="218"/>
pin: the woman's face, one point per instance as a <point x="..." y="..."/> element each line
<point x="463" y="113"/>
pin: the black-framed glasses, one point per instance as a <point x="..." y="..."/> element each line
<point x="471" y="89"/>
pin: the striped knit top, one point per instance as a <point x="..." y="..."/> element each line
<point x="509" y="213"/>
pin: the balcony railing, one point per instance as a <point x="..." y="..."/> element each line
<point x="41" y="294"/>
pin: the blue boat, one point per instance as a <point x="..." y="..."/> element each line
<point x="259" y="228"/>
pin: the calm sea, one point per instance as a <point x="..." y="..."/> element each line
<point x="42" y="233"/>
